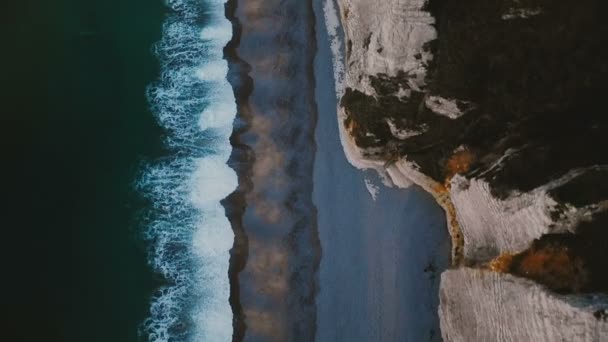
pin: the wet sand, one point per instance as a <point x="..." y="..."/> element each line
<point x="376" y="274"/>
<point x="296" y="186"/>
<point x="276" y="252"/>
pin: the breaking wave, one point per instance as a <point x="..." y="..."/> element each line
<point x="187" y="230"/>
<point x="332" y="24"/>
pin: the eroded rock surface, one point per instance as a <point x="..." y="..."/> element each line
<point x="480" y="305"/>
<point x="497" y="109"/>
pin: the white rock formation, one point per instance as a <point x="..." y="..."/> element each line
<point x="521" y="13"/>
<point x="492" y="226"/>
<point x="478" y="305"/>
<point x="445" y="107"/>
<point x="388" y="38"/>
<point x="402" y="134"/>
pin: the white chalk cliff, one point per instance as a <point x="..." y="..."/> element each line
<point x="478" y="305"/>
<point x="388" y="60"/>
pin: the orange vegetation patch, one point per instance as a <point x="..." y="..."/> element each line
<point x="551" y="264"/>
<point x="502" y="263"/>
<point x="439" y="189"/>
<point x="460" y="162"/>
<point x="441" y="194"/>
<point x="554" y="266"/>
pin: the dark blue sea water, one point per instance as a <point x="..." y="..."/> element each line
<point x="75" y="126"/>
<point x="115" y="124"/>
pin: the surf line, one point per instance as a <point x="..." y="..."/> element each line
<point x="186" y="228"/>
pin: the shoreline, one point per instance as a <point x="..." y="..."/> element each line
<point x="377" y="244"/>
<point x="188" y="233"/>
<point x="239" y="211"/>
<point x="493" y="133"/>
<point x="403" y="174"/>
<point x="235" y="204"/>
<point x="253" y="284"/>
<point x="396" y="172"/>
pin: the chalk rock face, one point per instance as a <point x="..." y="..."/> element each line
<point x="386" y="38"/>
<point x="496" y="109"/>
<point x="478" y="305"/>
<point x="474" y="108"/>
<point x="493" y="226"/>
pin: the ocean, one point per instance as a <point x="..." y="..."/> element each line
<point x="116" y="122"/>
<point x="76" y="128"/>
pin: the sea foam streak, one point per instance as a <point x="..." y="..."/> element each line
<point x="332" y="24"/>
<point x="187" y="228"/>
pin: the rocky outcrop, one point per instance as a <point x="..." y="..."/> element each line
<point x="496" y="109"/>
<point x="388" y="54"/>
<point x="479" y="305"/>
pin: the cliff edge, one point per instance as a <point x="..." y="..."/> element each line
<point x="497" y="110"/>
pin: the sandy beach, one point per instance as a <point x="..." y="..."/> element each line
<point x="381" y="249"/>
<point x="381" y="258"/>
<point x="276" y="251"/>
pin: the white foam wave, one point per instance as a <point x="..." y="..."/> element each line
<point x="189" y="233"/>
<point x="213" y="71"/>
<point x="332" y="23"/>
<point x="211" y="182"/>
<point x="217" y="115"/>
<point x="220" y="33"/>
<point x="372" y="188"/>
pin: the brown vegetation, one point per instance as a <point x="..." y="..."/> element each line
<point x="554" y="266"/>
<point x="550" y="262"/>
<point x="460" y="162"/>
<point x="502" y="263"/>
<point x="564" y="262"/>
